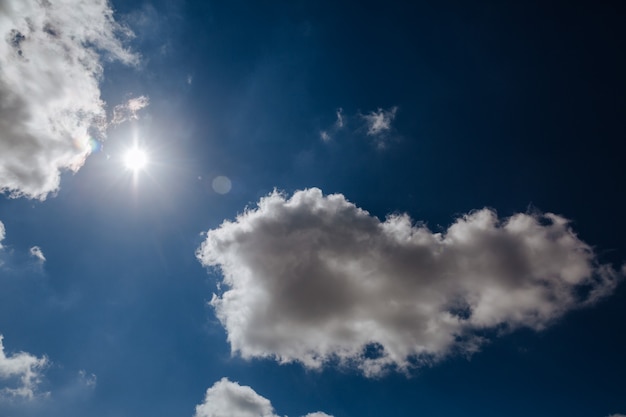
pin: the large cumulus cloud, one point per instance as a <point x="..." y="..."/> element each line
<point x="50" y="54"/>
<point x="229" y="399"/>
<point x="313" y="278"/>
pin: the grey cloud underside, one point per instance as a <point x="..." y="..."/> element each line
<point x="229" y="399"/>
<point x="49" y="88"/>
<point x="315" y="279"/>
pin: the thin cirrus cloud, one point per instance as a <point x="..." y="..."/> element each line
<point x="315" y="279"/>
<point x="376" y="125"/>
<point x="327" y="135"/>
<point x="49" y="88"/>
<point x="20" y="373"/>
<point x="129" y="110"/>
<point x="229" y="399"/>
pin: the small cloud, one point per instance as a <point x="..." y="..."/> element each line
<point x="88" y="380"/>
<point x="2" y="233"/>
<point x="340" y="122"/>
<point x="37" y="253"/>
<point x="21" y="371"/>
<point x="376" y="124"/>
<point x="128" y="111"/>
<point x="226" y="398"/>
<point x="189" y="79"/>
<point x="379" y="122"/>
<point x="327" y="135"/>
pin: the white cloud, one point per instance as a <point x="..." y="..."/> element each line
<point x="339" y="123"/>
<point x="315" y="279"/>
<point x="37" y="253"/>
<point x="22" y="371"/>
<point x="617" y="415"/>
<point x="128" y="111"/>
<point x="229" y="399"/>
<point x="49" y="88"/>
<point x="376" y="124"/>
<point x="2" y="233"/>
<point x="379" y="122"/>
<point x="327" y="135"/>
<point x="88" y="380"/>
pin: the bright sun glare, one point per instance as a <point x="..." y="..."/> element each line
<point x="135" y="159"/>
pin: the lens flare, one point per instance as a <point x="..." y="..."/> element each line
<point x="135" y="159"/>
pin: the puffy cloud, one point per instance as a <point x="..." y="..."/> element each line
<point x="21" y="368"/>
<point x="37" y="253"/>
<point x="49" y="88"/>
<point x="229" y="399"/>
<point x="313" y="279"/>
<point x="617" y="415"/>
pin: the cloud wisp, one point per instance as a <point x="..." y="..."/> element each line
<point x="327" y="135"/>
<point x="37" y="253"/>
<point x="376" y="125"/>
<point x="22" y="371"/>
<point x="129" y="110"/>
<point x="317" y="280"/>
<point x="3" y="233"/>
<point x="49" y="88"/>
<point x="379" y="122"/>
<point x="229" y="399"/>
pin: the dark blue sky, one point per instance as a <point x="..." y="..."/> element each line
<point x="518" y="107"/>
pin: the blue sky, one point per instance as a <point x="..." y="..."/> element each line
<point x="347" y="209"/>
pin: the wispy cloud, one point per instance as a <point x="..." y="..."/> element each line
<point x="3" y="233"/>
<point x="129" y="110"/>
<point x="379" y="121"/>
<point x="339" y="123"/>
<point x="37" y="253"/>
<point x="21" y="371"/>
<point x="327" y="135"/>
<point x="226" y="398"/>
<point x="315" y="279"/>
<point x="49" y="88"/>
<point x="376" y="125"/>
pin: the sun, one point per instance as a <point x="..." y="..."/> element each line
<point x="135" y="159"/>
